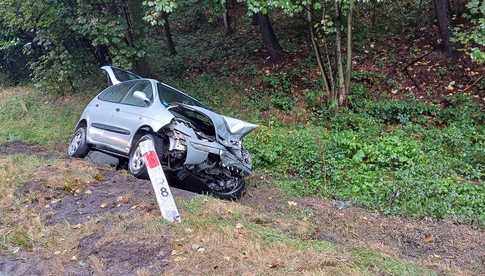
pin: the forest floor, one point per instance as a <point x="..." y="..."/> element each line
<point x="76" y="217"/>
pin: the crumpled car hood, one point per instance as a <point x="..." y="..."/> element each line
<point x="229" y="131"/>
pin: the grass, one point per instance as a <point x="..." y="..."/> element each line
<point x="215" y="237"/>
<point x="233" y="243"/>
<point x="29" y="116"/>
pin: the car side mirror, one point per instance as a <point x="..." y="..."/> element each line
<point x="142" y="96"/>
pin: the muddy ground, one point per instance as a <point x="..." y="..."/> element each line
<point x="439" y="245"/>
<point x="114" y="193"/>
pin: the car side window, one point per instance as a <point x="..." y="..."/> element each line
<point x="115" y="93"/>
<point x="142" y="86"/>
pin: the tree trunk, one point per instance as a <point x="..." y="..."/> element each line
<point x="168" y="35"/>
<point x="443" y="17"/>
<point x="226" y="19"/>
<point x="102" y="55"/>
<point x="134" y="18"/>
<point x="348" y="69"/>
<point x="338" y="44"/>
<point x="270" y="40"/>
<point x="316" y="49"/>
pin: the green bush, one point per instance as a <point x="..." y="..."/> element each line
<point x="392" y="162"/>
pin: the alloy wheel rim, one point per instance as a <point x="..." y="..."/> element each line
<point x="75" y="142"/>
<point x="137" y="160"/>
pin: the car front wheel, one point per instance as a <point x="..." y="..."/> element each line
<point x="78" y="146"/>
<point x="136" y="163"/>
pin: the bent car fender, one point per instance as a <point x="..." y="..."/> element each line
<point x="163" y="118"/>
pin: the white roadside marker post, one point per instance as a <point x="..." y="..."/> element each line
<point x="159" y="182"/>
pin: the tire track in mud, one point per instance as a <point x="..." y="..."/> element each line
<point x="114" y="193"/>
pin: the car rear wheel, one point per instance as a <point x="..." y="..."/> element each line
<point x="78" y="146"/>
<point x="136" y="163"/>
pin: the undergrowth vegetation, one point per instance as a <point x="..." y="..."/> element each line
<point x="398" y="156"/>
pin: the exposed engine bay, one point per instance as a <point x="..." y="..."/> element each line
<point x="196" y="146"/>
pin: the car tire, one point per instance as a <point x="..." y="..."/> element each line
<point x="78" y="145"/>
<point x="233" y="194"/>
<point x="136" y="164"/>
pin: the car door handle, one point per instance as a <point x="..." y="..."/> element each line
<point x="117" y="110"/>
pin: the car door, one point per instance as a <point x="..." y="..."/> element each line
<point x="102" y="129"/>
<point x="130" y="115"/>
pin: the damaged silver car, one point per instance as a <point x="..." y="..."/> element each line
<point x="190" y="139"/>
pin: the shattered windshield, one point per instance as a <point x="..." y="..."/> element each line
<point x="170" y="96"/>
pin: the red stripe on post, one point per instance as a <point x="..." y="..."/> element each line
<point x="152" y="159"/>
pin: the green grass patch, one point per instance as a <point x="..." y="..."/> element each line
<point x="35" y="118"/>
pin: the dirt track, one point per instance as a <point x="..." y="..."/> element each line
<point x="435" y="244"/>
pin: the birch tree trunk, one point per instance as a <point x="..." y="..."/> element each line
<point x="226" y="19"/>
<point x="348" y="69"/>
<point x="338" y="44"/>
<point x="316" y="49"/>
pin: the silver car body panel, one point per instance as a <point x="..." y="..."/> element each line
<point x="114" y="125"/>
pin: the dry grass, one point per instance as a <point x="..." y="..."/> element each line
<point x="224" y="238"/>
<point x="20" y="226"/>
<point x="70" y="175"/>
<point x="7" y="92"/>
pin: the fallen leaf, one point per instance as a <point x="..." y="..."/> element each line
<point x="292" y="203"/>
